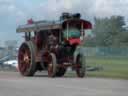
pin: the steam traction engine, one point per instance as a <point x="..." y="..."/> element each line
<point x="53" y="46"/>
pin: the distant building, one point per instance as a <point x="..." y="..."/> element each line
<point x="3" y="52"/>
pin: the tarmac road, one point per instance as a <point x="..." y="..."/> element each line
<point x="12" y="84"/>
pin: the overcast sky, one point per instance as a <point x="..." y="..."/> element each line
<point x="16" y="12"/>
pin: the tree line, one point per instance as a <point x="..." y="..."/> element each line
<point x="109" y="32"/>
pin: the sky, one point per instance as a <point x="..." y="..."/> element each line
<point x="17" y="12"/>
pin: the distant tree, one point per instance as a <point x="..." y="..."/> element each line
<point x="108" y="30"/>
<point x="124" y="39"/>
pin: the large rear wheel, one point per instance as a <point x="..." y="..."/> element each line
<point x="26" y="59"/>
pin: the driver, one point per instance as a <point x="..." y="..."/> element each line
<point x="52" y="40"/>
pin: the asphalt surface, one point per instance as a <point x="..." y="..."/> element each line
<point x="13" y="84"/>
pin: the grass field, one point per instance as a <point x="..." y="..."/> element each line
<point x="112" y="67"/>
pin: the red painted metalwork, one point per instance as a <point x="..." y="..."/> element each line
<point x="30" y="21"/>
<point x="75" y="41"/>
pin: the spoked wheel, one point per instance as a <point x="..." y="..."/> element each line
<point x="52" y="66"/>
<point x="80" y="66"/>
<point x="60" y="72"/>
<point x="26" y="59"/>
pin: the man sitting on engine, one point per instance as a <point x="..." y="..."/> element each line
<point x="52" y="40"/>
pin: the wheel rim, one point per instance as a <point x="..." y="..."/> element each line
<point x="24" y="59"/>
<point x="50" y="66"/>
<point x="79" y="67"/>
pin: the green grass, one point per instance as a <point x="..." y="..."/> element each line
<point x="112" y="67"/>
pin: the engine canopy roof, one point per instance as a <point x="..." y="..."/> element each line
<point x="50" y="25"/>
